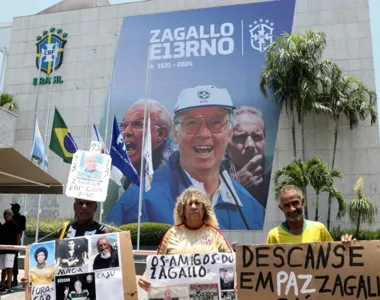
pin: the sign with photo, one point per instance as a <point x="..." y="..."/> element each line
<point x="315" y="271"/>
<point x="91" y="267"/>
<point x="192" y="276"/>
<point x="89" y="176"/>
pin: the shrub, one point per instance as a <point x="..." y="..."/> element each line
<point x="47" y="226"/>
<point x="364" y="235"/>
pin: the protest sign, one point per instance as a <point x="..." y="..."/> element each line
<point x="90" y="267"/>
<point x="192" y="276"/>
<point x="89" y="174"/>
<point x="308" y="271"/>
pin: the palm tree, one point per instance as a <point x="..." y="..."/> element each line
<point x="322" y="180"/>
<point x="7" y="101"/>
<point x="293" y="74"/>
<point x="361" y="210"/>
<point x="348" y="97"/>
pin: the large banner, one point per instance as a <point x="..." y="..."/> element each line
<point x="89" y="267"/>
<point x="201" y="62"/>
<point x="314" y="271"/>
<point x="192" y="276"/>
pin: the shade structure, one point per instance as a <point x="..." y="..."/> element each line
<point x="18" y="175"/>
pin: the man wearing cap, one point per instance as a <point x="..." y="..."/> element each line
<point x="203" y="118"/>
<point x="20" y="220"/>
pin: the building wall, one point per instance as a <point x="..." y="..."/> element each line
<point x="346" y="23"/>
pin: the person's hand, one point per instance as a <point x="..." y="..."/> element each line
<point x="144" y="284"/>
<point x="347" y="238"/>
<point x="252" y="173"/>
<point x="66" y="292"/>
<point x="24" y="282"/>
<point x="65" y="261"/>
<point x="85" y="258"/>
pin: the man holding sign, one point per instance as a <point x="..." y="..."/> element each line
<point x="296" y="229"/>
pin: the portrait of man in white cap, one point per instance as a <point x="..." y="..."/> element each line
<point x="202" y="127"/>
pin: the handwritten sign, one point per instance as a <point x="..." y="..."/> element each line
<point x="192" y="276"/>
<point x="308" y="271"/>
<point x="89" y="267"/>
<point x="89" y="175"/>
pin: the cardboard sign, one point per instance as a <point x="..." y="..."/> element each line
<point x="89" y="176"/>
<point x="192" y="276"/>
<point x="309" y="271"/>
<point x="90" y="267"/>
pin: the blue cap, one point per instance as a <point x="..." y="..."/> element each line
<point x="203" y="96"/>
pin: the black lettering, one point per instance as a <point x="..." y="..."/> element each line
<point x="309" y="257"/>
<point x="341" y="255"/>
<point x="323" y="257"/>
<point x="258" y="256"/>
<point x="213" y="260"/>
<point x="162" y="274"/>
<point x="290" y="255"/>
<point x="172" y="275"/>
<point x="243" y="279"/>
<point x="264" y="281"/>
<point x="183" y="260"/>
<point x="349" y="290"/>
<point x="338" y="283"/>
<point x="247" y="261"/>
<point x="325" y="280"/>
<point x="197" y="261"/>
<point x="154" y="261"/>
<point x="206" y="259"/>
<point x="370" y="293"/>
<point x="361" y="286"/>
<point x="173" y="262"/>
<point x="162" y="258"/>
<point x="358" y="255"/>
<point x="153" y="269"/>
<point x="275" y="254"/>
<point x="182" y="273"/>
<point x="202" y="271"/>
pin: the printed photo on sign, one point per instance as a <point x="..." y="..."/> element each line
<point x="180" y="292"/>
<point x="204" y="291"/>
<point x="75" y="287"/>
<point x="41" y="263"/>
<point x="228" y="295"/>
<point x="72" y="255"/>
<point x="43" y="292"/>
<point x="204" y="70"/>
<point x="227" y="278"/>
<point x="105" y="251"/>
<point x="91" y="165"/>
<point x="109" y="284"/>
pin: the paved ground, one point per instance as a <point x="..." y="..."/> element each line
<point x="19" y="293"/>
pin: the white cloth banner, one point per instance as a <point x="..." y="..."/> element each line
<point x="192" y="276"/>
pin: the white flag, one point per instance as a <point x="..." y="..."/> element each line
<point x="148" y="157"/>
<point x="116" y="174"/>
<point x="38" y="149"/>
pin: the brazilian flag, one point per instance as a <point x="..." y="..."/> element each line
<point x="62" y="142"/>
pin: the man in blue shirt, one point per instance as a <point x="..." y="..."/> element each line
<point x="203" y="121"/>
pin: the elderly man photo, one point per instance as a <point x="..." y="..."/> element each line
<point x="246" y="161"/>
<point x="131" y="128"/>
<point x="107" y="257"/>
<point x="202" y="128"/>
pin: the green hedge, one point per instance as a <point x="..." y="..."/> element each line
<point x="150" y="233"/>
<point x="364" y="235"/>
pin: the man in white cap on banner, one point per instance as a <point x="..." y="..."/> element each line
<point x="203" y="118"/>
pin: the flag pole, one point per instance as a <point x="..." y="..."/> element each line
<point x="142" y="149"/>
<point x="108" y="112"/>
<point x="86" y="143"/>
<point x="5" y="55"/>
<point x="46" y="135"/>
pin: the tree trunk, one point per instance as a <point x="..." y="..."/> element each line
<point x="317" y="208"/>
<point x="294" y="135"/>
<point x="303" y="136"/>
<point x="358" y="227"/>
<point x="332" y="168"/>
<point x="305" y="206"/>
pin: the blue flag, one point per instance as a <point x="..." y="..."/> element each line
<point x="118" y="152"/>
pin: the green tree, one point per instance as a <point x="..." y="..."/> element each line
<point x="361" y="210"/>
<point x="322" y="180"/>
<point x="294" y="74"/>
<point x="8" y="101"/>
<point x="348" y="97"/>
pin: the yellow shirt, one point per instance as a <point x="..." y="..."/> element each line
<point x="181" y="239"/>
<point x="312" y="232"/>
<point x="42" y="275"/>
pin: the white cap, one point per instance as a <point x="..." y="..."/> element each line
<point x="203" y="96"/>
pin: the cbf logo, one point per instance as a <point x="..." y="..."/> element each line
<point x="261" y="34"/>
<point x="50" y="49"/>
